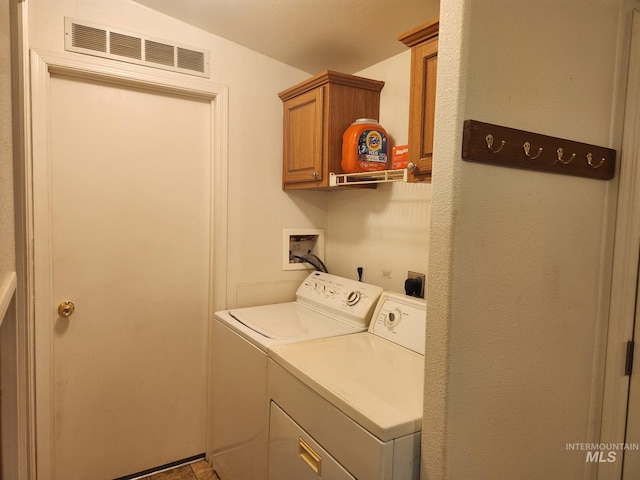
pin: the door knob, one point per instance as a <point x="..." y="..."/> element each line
<point x="65" y="309"/>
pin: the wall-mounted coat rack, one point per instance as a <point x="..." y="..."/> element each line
<point x="484" y="142"/>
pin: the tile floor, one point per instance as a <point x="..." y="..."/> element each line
<point x="194" y="471"/>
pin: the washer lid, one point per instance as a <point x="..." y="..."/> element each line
<point x="283" y="321"/>
<point x="375" y="382"/>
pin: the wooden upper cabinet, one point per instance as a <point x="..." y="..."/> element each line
<point x="423" y="41"/>
<point x="316" y="114"/>
<point x="303" y="141"/>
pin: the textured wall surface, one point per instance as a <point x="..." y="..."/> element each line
<point x="7" y="256"/>
<point x="519" y="261"/>
<point x="8" y="370"/>
<point x="385" y="230"/>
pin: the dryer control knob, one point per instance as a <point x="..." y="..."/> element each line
<point x="393" y="318"/>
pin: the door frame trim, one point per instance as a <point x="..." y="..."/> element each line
<point x="625" y="261"/>
<point x="38" y="211"/>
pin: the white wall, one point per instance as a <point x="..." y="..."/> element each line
<point x="258" y="209"/>
<point x="385" y="230"/>
<point x="7" y="242"/>
<point x="8" y="348"/>
<point x="373" y="224"/>
<point x="519" y="261"/>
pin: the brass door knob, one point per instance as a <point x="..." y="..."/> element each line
<point x="65" y="309"/>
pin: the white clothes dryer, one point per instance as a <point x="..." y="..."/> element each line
<point x="326" y="305"/>
<point x="351" y="407"/>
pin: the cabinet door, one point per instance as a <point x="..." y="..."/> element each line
<point x="424" y="65"/>
<point x="303" y="128"/>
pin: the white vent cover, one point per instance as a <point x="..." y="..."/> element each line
<point x="91" y="39"/>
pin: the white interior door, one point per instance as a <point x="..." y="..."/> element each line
<point x="630" y="195"/>
<point x="621" y="394"/>
<point x="631" y="462"/>
<point x="131" y="229"/>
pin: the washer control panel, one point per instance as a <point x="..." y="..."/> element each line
<point x="341" y="297"/>
<point x="401" y="320"/>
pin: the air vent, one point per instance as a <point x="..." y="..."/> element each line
<point x="91" y="39"/>
<point x="159" y="53"/>
<point x="190" y="59"/>
<point x="83" y="36"/>
<point x="125" y="45"/>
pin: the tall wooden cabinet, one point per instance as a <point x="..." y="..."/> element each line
<point x="316" y="114"/>
<point x="423" y="41"/>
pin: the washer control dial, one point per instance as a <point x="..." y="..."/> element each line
<point x="353" y="297"/>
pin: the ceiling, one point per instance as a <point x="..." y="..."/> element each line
<point x="311" y="35"/>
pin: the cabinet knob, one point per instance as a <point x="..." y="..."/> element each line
<point x="412" y="166"/>
<point x="314" y="174"/>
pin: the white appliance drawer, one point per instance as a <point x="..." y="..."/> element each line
<point x="294" y="455"/>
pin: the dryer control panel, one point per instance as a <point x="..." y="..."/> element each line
<point x="340" y="297"/>
<point x="401" y="320"/>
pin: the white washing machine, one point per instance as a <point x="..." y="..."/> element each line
<point x="326" y="305"/>
<point x="351" y="407"/>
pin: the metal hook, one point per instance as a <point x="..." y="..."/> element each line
<point x="590" y="161"/>
<point x="527" y="149"/>
<point x="560" y="152"/>
<point x="489" y="139"/>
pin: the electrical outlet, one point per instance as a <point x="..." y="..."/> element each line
<point x="414" y="285"/>
<point x="360" y="270"/>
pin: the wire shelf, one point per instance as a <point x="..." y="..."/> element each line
<point x="363" y="178"/>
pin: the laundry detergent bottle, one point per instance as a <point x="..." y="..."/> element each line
<point x="364" y="147"/>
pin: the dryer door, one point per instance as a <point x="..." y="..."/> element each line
<point x="294" y="455"/>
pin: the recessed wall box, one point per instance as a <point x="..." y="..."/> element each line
<point x="298" y="242"/>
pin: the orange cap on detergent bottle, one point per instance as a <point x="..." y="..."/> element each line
<point x="364" y="147"/>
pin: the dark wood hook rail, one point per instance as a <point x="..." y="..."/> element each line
<point x="495" y="144"/>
